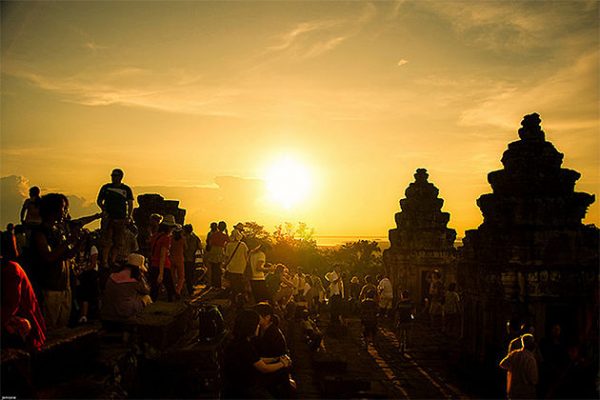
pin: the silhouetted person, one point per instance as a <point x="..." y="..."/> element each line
<point x="160" y="262"/>
<point x="215" y="253"/>
<point x="336" y="293"/>
<point x="52" y="248"/>
<point x="30" y="212"/>
<point x="522" y="370"/>
<point x="405" y="317"/>
<point x="9" y="248"/>
<point x="243" y="368"/>
<point x="193" y="248"/>
<point x="115" y="199"/>
<point x="368" y="316"/>
<point x="22" y="322"/>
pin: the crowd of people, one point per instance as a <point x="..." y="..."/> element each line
<point x="56" y="273"/>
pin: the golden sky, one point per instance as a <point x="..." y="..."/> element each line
<point x="202" y="100"/>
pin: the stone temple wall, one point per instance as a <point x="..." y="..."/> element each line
<point x="532" y="259"/>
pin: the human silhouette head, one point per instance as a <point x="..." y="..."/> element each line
<point x="54" y="207"/>
<point x="222" y="226"/>
<point x="116" y="175"/>
<point x="34" y="191"/>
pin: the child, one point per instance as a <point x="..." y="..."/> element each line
<point x="368" y="316"/>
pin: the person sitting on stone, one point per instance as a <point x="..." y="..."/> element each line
<point x="271" y="347"/>
<point x="126" y="292"/>
<point x="243" y="368"/>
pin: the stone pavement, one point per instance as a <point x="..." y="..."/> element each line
<point x="426" y="371"/>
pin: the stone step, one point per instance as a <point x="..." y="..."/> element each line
<point x="343" y="387"/>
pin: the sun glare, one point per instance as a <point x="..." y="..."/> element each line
<point x="288" y="182"/>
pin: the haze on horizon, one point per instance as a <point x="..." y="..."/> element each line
<point x="222" y="104"/>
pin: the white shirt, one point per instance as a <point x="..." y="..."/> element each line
<point x="237" y="265"/>
<point x="385" y="288"/>
<point x="257" y="258"/>
<point x="335" y="287"/>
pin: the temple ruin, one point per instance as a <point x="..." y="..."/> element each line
<point x="531" y="260"/>
<point x="421" y="241"/>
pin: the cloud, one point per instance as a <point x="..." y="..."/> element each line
<point x="14" y="190"/>
<point x="565" y="95"/>
<point x="402" y="62"/>
<point x="310" y="39"/>
<point x="512" y="26"/>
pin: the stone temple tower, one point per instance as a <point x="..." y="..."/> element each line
<point x="421" y="241"/>
<point x="531" y="260"/>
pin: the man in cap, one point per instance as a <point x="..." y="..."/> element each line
<point x="115" y="199"/>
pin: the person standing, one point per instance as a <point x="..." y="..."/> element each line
<point x="193" y="247"/>
<point x="452" y="312"/>
<point x="368" y="316"/>
<point x="522" y="370"/>
<point x="236" y="256"/>
<point x="258" y="260"/>
<point x="405" y="316"/>
<point x="115" y="199"/>
<point x="52" y="251"/>
<point x="215" y="254"/>
<point x="160" y="263"/>
<point x="30" y="212"/>
<point x="386" y="295"/>
<point x="177" y="259"/>
<point x="336" y="293"/>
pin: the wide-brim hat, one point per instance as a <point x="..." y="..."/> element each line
<point x="236" y="235"/>
<point x="169" y="220"/>
<point x="137" y="260"/>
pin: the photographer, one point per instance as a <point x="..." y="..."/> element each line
<point x="53" y="245"/>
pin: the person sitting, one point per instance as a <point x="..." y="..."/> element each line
<point x="243" y="367"/>
<point x="126" y="292"/>
<point x="271" y="347"/>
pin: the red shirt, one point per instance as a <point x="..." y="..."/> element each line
<point x="218" y="239"/>
<point x="18" y="299"/>
<point x="157" y="242"/>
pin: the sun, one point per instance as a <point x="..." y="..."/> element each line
<point x="288" y="182"/>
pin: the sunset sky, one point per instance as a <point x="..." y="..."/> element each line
<point x="222" y="104"/>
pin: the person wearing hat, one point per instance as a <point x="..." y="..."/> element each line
<point x="126" y="291"/>
<point x="160" y="260"/>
